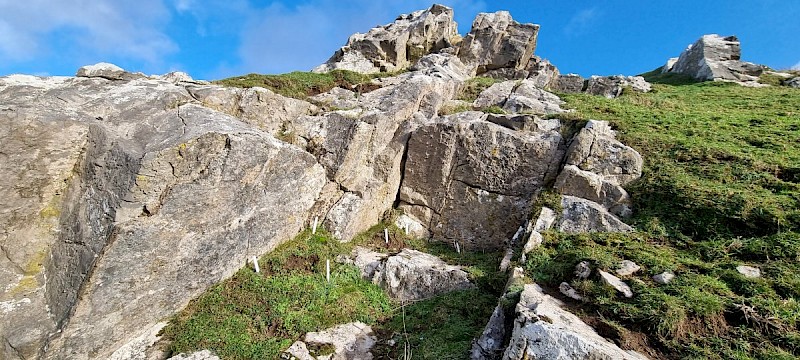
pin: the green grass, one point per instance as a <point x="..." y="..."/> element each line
<point x="720" y="188"/>
<point x="301" y="85"/>
<point x="474" y="86"/>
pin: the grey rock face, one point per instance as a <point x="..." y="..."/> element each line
<point x="567" y="290"/>
<point x="544" y="330"/>
<point x="398" y="45"/>
<point x="542" y="73"/>
<point x="583" y="270"/>
<point x="585" y="184"/>
<point x="106" y="71"/>
<point x="714" y="57"/>
<point x="352" y="341"/>
<point x="596" y="149"/>
<point x="794" y="82"/>
<point x="445" y="66"/>
<point x="518" y="97"/>
<point x="581" y="215"/>
<point x="140" y="198"/>
<point x="462" y="170"/>
<point x="612" y="86"/>
<point x="570" y="84"/>
<point x="627" y="268"/>
<point x="496" y="41"/>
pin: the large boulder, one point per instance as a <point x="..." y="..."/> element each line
<point x="613" y="86"/>
<point x="569" y="84"/>
<point x="793" y="82"/>
<point x="585" y="184"/>
<point x="519" y="97"/>
<point x="496" y="41"/>
<point x="544" y="330"/>
<point x="398" y="45"/>
<point x="596" y="149"/>
<point x="471" y="181"/>
<point x="352" y="341"/>
<point x="714" y="57"/>
<point x="136" y="199"/>
<point x="581" y="216"/>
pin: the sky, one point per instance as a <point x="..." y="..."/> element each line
<point x="214" y="39"/>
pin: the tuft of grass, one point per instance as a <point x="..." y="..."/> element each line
<point x="301" y="85"/>
<point x="494" y="109"/>
<point x="474" y="87"/>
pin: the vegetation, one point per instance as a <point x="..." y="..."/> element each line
<point x="301" y="85"/>
<point x="474" y="87"/>
<point x="720" y="188"/>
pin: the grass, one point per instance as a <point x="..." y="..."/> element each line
<point x="720" y="188"/>
<point x="301" y="85"/>
<point x="474" y="87"/>
<point x="257" y="316"/>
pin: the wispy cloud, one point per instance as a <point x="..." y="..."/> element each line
<point x="581" y="21"/>
<point x="130" y="29"/>
<point x="796" y="66"/>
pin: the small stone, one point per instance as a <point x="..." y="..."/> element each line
<point x="616" y="283"/>
<point x="627" y="268"/>
<point x="583" y="270"/>
<point x="391" y="342"/>
<point x="749" y="271"/>
<point x="664" y="278"/>
<point x="569" y="291"/>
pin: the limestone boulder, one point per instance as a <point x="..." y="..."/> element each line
<point x="585" y="184"/>
<point x="350" y="342"/>
<point x="569" y="84"/>
<point x="714" y="57"/>
<point x="581" y="215"/>
<point x="613" y="86"/>
<point x="519" y="97"/>
<point x="544" y="330"/>
<point x="496" y="41"/>
<point x="461" y="171"/>
<point x="542" y="73"/>
<point x="197" y="355"/>
<point x="447" y="66"/>
<point x="398" y="45"/>
<point x="107" y="71"/>
<point x="616" y="283"/>
<point x="596" y="149"/>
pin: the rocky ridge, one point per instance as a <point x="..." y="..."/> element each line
<point x="131" y="194"/>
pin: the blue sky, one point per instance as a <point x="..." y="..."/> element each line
<point x="213" y="39"/>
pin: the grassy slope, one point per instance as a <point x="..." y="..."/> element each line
<point x="300" y="84"/>
<point x="720" y="188"/>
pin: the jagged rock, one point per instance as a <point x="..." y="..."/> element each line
<point x="794" y="82"/>
<point x="398" y="45"/>
<point x="352" y="341"/>
<point x="492" y="340"/>
<point x="616" y="283"/>
<point x="669" y="65"/>
<point x="461" y="170"/>
<point x="412" y="226"/>
<point x="496" y="41"/>
<point x="411" y="274"/>
<point x="542" y="73"/>
<point x="547" y="217"/>
<point x="197" y="355"/>
<point x="176" y="77"/>
<point x="627" y="268"/>
<point x="596" y="149"/>
<point x="583" y="270"/>
<point x="664" y="278"/>
<point x="568" y="291"/>
<point x="612" y="86"/>
<point x="127" y="179"/>
<point x="528" y="98"/>
<point x="581" y="215"/>
<point x="570" y="84"/>
<point x="714" y="57"/>
<point x="338" y="98"/>
<point x="256" y="106"/>
<point x="544" y="330"/>
<point x="749" y="271"/>
<point x="585" y="184"/>
<point x="107" y="71"/>
<point x="446" y="66"/>
<point x="495" y="95"/>
<point x="142" y="347"/>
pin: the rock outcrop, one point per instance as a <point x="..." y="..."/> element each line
<point x="496" y="41"/>
<point x="717" y="58"/>
<point x="351" y="341"/>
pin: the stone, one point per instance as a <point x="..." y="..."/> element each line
<point x="583" y="270"/>
<point x="461" y="170"/>
<point x="718" y="58"/>
<point x="542" y="73"/>
<point x="491" y="342"/>
<point x="596" y="149"/>
<point x="497" y="41"/>
<point x="664" y="278"/>
<point x="197" y="355"/>
<point x="569" y="84"/>
<point x="445" y="66"/>
<point x="106" y="71"/>
<point x="613" y="86"/>
<point x="495" y="95"/>
<point x="336" y="98"/>
<point x="368" y="261"/>
<point x="587" y="185"/>
<point x="547" y="217"/>
<point x="627" y="268"/>
<point x="566" y="289"/>
<point x="413" y="275"/>
<point x="544" y="330"/>
<point x="749" y="271"/>
<point x="398" y="45"/>
<point x="616" y="283"/>
<point x="528" y="98"/>
<point x="412" y="226"/>
<point x="669" y="65"/>
<point x="581" y="215"/>
<point x="794" y="82"/>
<point x="352" y="341"/>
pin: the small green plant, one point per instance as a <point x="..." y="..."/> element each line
<point x="474" y="87"/>
<point x="494" y="109"/>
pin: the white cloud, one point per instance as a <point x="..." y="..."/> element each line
<point x="581" y="21"/>
<point x="129" y="29"/>
<point x="796" y="66"/>
<point x="280" y="38"/>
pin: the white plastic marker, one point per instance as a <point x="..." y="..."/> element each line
<point x="314" y="228"/>
<point x="458" y="248"/>
<point x="386" y="236"/>
<point x="255" y="265"/>
<point x="405" y="227"/>
<point x="328" y="270"/>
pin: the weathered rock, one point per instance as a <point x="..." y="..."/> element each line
<point x="398" y="45"/>
<point x="107" y="71"/>
<point x="528" y="98"/>
<point x="352" y="341"/>
<point x="585" y="184"/>
<point x="566" y="289"/>
<point x="197" y="355"/>
<point x="368" y="261"/>
<point x="664" y="278"/>
<point x="492" y="340"/>
<point x="495" y="95"/>
<point x="462" y="170"/>
<point x="496" y="41"/>
<point x="583" y="270"/>
<point x="616" y="283"/>
<point x="414" y="275"/>
<point x="612" y="86"/>
<point x="445" y="66"/>
<point x="338" y="98"/>
<point x="544" y="330"/>
<point x="547" y="217"/>
<point x="794" y="82"/>
<point x="412" y="226"/>
<point x="143" y="347"/>
<point x="570" y="84"/>
<point x="749" y="271"/>
<point x="135" y="198"/>
<point x="627" y="268"/>
<point x="596" y="149"/>
<point x="714" y="57"/>
<point x="669" y="65"/>
<point x="581" y="215"/>
<point x="542" y="73"/>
